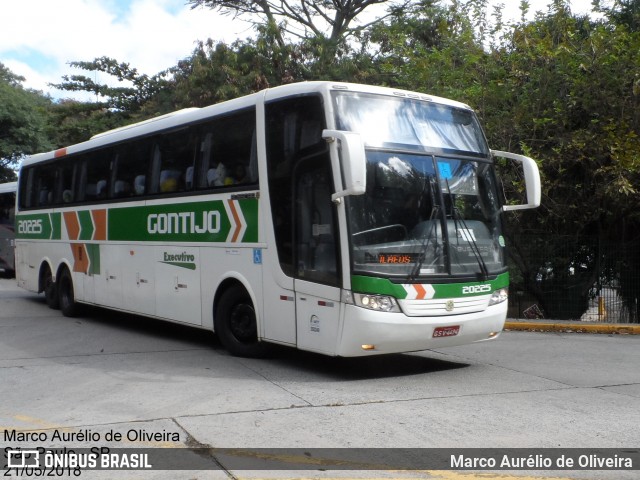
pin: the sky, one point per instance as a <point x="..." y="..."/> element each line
<point x="38" y="38"/>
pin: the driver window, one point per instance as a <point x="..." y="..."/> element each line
<point x="296" y="157"/>
<point x="316" y="239"/>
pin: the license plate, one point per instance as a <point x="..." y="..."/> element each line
<point x="446" y="331"/>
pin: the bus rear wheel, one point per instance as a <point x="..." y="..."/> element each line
<point x="236" y="325"/>
<point x="50" y="289"/>
<point x="66" y="296"/>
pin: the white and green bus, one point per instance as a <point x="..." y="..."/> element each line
<point x="337" y="218"/>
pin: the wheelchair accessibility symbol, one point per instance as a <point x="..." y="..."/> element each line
<point x="257" y="256"/>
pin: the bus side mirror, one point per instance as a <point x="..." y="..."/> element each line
<point x="353" y="162"/>
<point x="531" y="178"/>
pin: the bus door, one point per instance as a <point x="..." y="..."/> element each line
<point x="317" y="276"/>
<point x="138" y="279"/>
<point x="177" y="277"/>
<point x="106" y="288"/>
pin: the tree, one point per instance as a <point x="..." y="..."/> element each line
<point x="115" y="106"/>
<point x="563" y="89"/>
<point x="431" y="48"/>
<point x="621" y="12"/>
<point x="23" y="116"/>
<point x="570" y="97"/>
<point x="71" y="121"/>
<point x="324" y="25"/>
<point x="136" y="88"/>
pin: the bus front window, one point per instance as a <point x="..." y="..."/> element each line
<point x="401" y="204"/>
<point x="430" y="208"/>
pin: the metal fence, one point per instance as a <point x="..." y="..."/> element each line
<point x="575" y="278"/>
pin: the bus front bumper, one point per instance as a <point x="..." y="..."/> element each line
<point x="366" y="332"/>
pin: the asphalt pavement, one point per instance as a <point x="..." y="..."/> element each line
<point x="161" y="385"/>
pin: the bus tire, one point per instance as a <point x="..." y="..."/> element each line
<point x="50" y="289"/>
<point x="236" y="325"/>
<point x="66" y="296"/>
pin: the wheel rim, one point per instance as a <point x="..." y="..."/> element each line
<point x="242" y="323"/>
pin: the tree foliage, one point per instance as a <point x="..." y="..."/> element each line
<point x="325" y="24"/>
<point x="135" y="89"/>
<point x="573" y="84"/>
<point x="22" y="122"/>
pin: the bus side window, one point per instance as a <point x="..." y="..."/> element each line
<point x="45" y="176"/>
<point x="139" y="184"/>
<point x="66" y="182"/>
<point x="294" y="135"/>
<point x="314" y="221"/>
<point x="173" y="159"/>
<point x="227" y="153"/>
<point x="205" y="169"/>
<point x="129" y="171"/>
<point x="7" y="212"/>
<point x="101" y="189"/>
<point x="95" y="173"/>
<point x="170" y="181"/>
<point x="188" y="178"/>
<point x="26" y="190"/>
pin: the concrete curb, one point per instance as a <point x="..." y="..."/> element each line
<point x="577" y="327"/>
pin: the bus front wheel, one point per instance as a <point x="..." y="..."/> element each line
<point x="236" y="325"/>
<point x="66" y="297"/>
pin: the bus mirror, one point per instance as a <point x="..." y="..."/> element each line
<point x="531" y="178"/>
<point x="353" y="162"/>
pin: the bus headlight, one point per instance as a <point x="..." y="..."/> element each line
<point x="499" y="296"/>
<point x="380" y="303"/>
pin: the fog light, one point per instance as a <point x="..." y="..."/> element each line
<point x="368" y="347"/>
<point x="493" y="334"/>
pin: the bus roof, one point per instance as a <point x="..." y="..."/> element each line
<point x="194" y="115"/>
<point x="8" y="187"/>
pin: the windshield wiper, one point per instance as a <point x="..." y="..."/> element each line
<point x="483" y="274"/>
<point x="424" y="245"/>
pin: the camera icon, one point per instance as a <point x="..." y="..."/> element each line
<point x="23" y="458"/>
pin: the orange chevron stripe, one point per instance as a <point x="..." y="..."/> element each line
<point x="80" y="257"/>
<point x="237" y="220"/>
<point x="420" y="290"/>
<point x="100" y="223"/>
<point x="72" y="224"/>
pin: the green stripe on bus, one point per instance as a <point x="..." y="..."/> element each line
<point x="375" y="285"/>
<point x="56" y="225"/>
<point x="470" y="289"/>
<point x="185" y="222"/>
<point x="86" y="225"/>
<point x="93" y="251"/>
<point x="383" y="286"/>
<point x="249" y="207"/>
<point x="187" y="265"/>
<point x="39" y="226"/>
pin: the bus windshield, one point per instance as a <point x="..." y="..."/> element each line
<point x="403" y="123"/>
<point x="430" y="207"/>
